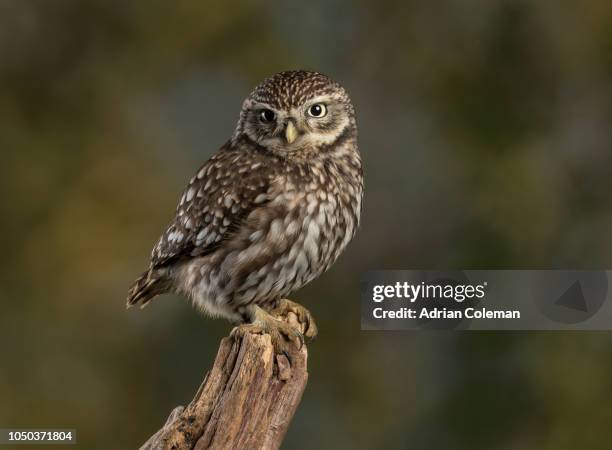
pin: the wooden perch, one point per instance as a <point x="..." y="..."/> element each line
<point x="245" y="402"/>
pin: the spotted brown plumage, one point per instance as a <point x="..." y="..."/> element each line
<point x="270" y="211"/>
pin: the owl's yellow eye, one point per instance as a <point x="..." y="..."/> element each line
<point x="317" y="110"/>
<point x="266" y="115"/>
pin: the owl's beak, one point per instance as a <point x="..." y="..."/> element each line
<point x="291" y="132"/>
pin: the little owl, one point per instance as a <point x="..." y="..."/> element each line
<point x="269" y="212"/>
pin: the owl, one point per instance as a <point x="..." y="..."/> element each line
<point x="268" y="213"/>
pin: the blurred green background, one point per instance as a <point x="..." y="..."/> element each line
<point x="485" y="128"/>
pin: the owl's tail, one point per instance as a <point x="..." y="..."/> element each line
<point x="149" y="285"/>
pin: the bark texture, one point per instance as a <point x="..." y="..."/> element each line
<point x="245" y="402"/>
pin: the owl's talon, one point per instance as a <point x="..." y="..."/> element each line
<point x="239" y="331"/>
<point x="281" y="333"/>
<point x="303" y="314"/>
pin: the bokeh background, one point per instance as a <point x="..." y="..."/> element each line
<point x="485" y="128"/>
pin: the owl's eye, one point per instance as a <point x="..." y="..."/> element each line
<point x="266" y="115"/>
<point x="317" y="110"/>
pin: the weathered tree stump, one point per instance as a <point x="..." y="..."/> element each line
<point x="245" y="402"/>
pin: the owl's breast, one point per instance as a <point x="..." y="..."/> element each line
<point x="287" y="242"/>
<point x="330" y="212"/>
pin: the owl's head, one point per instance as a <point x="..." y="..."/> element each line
<point x="296" y="111"/>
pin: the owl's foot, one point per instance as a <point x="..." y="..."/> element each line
<point x="304" y="316"/>
<point x="281" y="333"/>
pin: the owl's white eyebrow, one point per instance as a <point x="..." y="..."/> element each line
<point x="319" y="99"/>
<point x="259" y="105"/>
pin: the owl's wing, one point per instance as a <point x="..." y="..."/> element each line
<point x="214" y="204"/>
